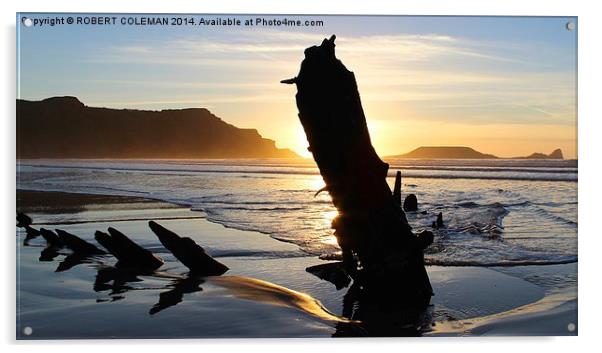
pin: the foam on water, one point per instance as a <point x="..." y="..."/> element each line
<point x="496" y="212"/>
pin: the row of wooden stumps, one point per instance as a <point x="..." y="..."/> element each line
<point x="129" y="255"/>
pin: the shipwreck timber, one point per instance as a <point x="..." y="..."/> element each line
<point x="380" y="251"/>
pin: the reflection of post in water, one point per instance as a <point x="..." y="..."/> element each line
<point x="49" y="253"/>
<point x="115" y="280"/>
<point x="374" y="310"/>
<point x="179" y="287"/>
<point x="73" y="260"/>
<point x="381" y="313"/>
<point x="54" y="245"/>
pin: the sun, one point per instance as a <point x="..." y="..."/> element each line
<point x="301" y="143"/>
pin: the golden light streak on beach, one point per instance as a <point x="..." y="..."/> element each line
<point x="265" y="292"/>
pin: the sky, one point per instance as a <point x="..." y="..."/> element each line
<point x="502" y="85"/>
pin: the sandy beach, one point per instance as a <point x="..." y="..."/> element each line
<point x="266" y="292"/>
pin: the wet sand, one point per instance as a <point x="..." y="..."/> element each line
<point x="266" y="292"/>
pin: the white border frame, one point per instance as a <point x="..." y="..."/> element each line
<point x="588" y="150"/>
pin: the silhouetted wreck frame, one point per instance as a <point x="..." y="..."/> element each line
<point x="380" y="251"/>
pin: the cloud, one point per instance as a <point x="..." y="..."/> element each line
<point x="402" y="47"/>
<point x="428" y="72"/>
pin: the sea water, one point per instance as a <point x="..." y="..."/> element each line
<point x="495" y="212"/>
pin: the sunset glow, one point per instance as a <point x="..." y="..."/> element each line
<point x="505" y="86"/>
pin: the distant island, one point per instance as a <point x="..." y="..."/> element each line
<point x="556" y="154"/>
<point x="63" y="127"/>
<point x="459" y="152"/>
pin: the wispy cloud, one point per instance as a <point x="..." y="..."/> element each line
<point x="402" y="47"/>
<point x="432" y="73"/>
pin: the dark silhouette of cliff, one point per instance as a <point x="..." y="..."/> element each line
<point x="63" y="127"/>
<point x="458" y="152"/>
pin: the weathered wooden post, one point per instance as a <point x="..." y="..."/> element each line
<point x="379" y="249"/>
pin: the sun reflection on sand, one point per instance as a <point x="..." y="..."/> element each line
<point x="265" y="292"/>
